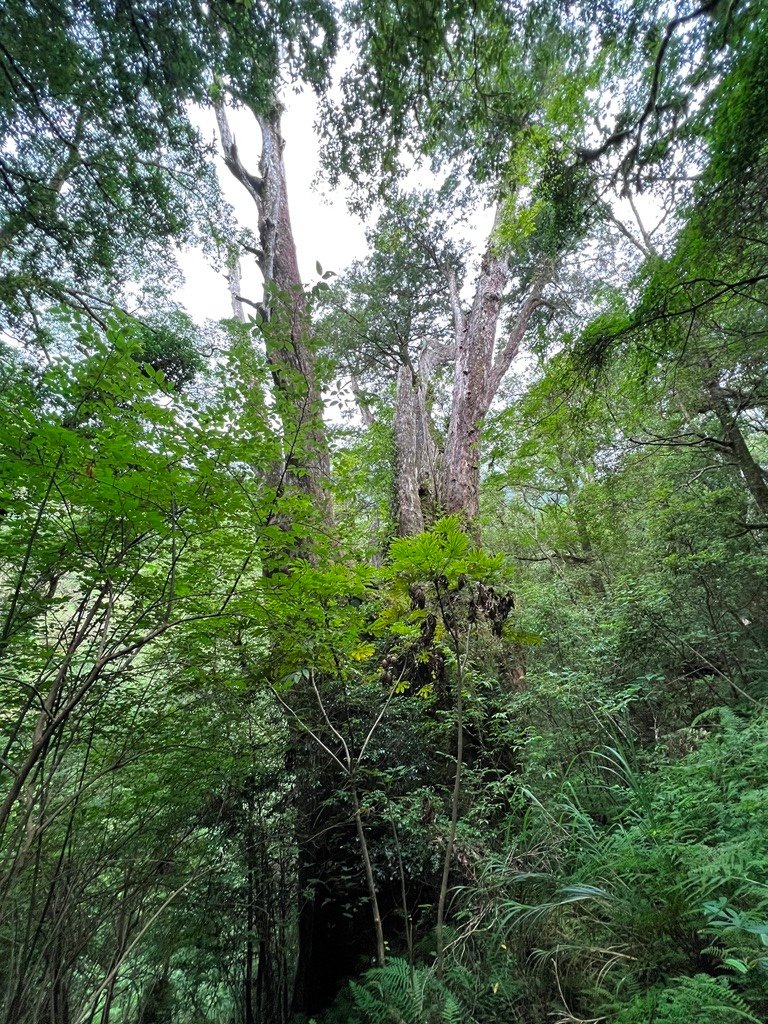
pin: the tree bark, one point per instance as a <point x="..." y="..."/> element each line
<point x="250" y="907"/>
<point x="287" y="331"/>
<point x="479" y="371"/>
<point x="381" y="953"/>
<point x="285" y="309"/>
<point x="416" y="455"/>
<point x="417" y="458"/>
<point x="410" y="518"/>
<point x="475" y="343"/>
<point x="750" y="469"/>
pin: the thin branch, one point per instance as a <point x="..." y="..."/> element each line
<point x="328" y="722"/>
<point x="646" y="252"/>
<point x="287" y="707"/>
<point x="252" y="182"/>
<point x="652" y="105"/>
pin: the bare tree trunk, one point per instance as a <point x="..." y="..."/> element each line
<point x="750" y="469"/>
<point x="381" y="953"/>
<point x="479" y="371"/>
<point x="284" y="307"/>
<point x="290" y="353"/>
<point x="410" y="517"/>
<point x="474" y="359"/>
<point x="417" y="477"/>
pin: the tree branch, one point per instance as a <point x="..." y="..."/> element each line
<point x="503" y="360"/>
<point x="652" y="105"/>
<point x="459" y="317"/>
<point x="252" y="182"/>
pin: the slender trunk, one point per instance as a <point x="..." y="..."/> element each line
<point x="59" y="994"/>
<point x="410" y="517"/>
<point x="380" y="950"/>
<point x="455" y="798"/>
<point x="250" y="921"/>
<point x="124" y="928"/>
<point x="108" y="998"/>
<point x="750" y="469"/>
<point x="282" y="944"/>
<point x="407" y="921"/>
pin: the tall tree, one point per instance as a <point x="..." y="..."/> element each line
<point x="511" y="95"/>
<point x="284" y="309"/>
<point x="407" y="315"/>
<point x="102" y="168"/>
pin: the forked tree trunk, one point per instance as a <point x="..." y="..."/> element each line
<point x="480" y="367"/>
<point x="452" y="483"/>
<point x="475" y="342"/>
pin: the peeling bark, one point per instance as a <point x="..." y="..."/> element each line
<point x="410" y="518"/>
<point x="425" y="480"/>
<point x="474" y="357"/>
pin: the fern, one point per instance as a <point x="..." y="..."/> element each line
<point x="703" y="1000"/>
<point x="453" y="1012"/>
<point x="399" y="994"/>
<point x="697" y="1000"/>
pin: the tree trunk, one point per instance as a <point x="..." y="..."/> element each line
<point x="750" y="469"/>
<point x="288" y="337"/>
<point x="410" y="519"/>
<point x="250" y="910"/>
<point x="475" y="344"/>
<point x="289" y="349"/>
<point x="415" y="456"/>
<point x="285" y="310"/>
<point x="369" y="879"/>
<point x="479" y="371"/>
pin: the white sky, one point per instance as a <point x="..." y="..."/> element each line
<point x="324" y="229"/>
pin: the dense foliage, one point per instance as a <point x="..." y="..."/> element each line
<point x="271" y="754"/>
